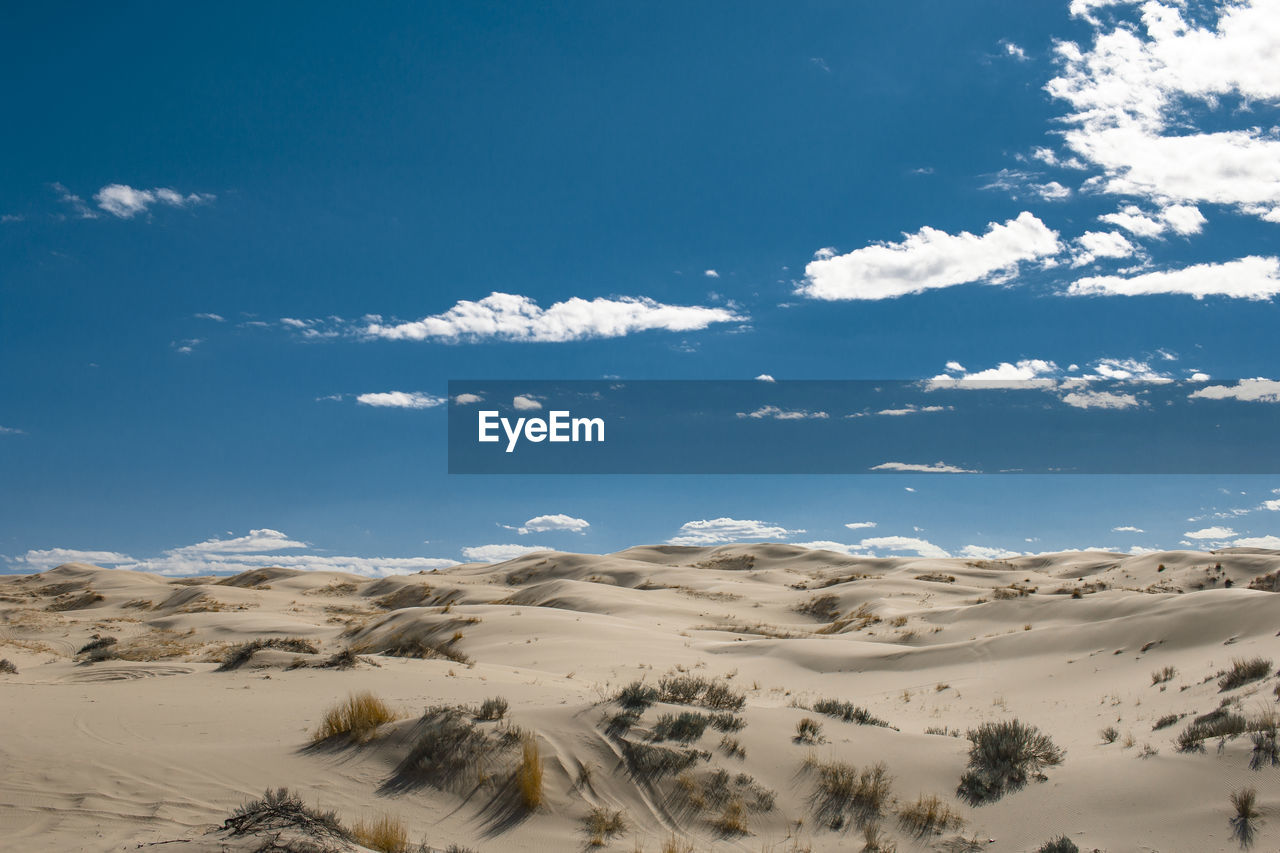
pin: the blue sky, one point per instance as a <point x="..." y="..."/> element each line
<point x="223" y="225"/>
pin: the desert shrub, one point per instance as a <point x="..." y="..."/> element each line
<point x="844" y="793"/>
<point x="345" y="659"/>
<point x="682" y="689"/>
<point x="808" y="730"/>
<point x="238" y="655"/>
<point x="98" y="649"/>
<point x="847" y="712"/>
<point x="529" y="775"/>
<point x="822" y="607"/>
<point x="280" y="809"/>
<point x="356" y="719"/>
<point x="7" y="667"/>
<point x="492" y="709"/>
<point x="874" y="840"/>
<point x="1242" y="672"/>
<point x="1265" y="753"/>
<point x="621" y="723"/>
<point x="732" y="820"/>
<point x="1244" y="822"/>
<point x="84" y="600"/>
<point x="637" y="696"/>
<point x="648" y="762"/>
<point x="1002" y="756"/>
<point x="602" y="824"/>
<point x="725" y="721"/>
<point x="420" y="647"/>
<point x="449" y="749"/>
<point x="928" y="814"/>
<point x="1217" y="723"/>
<point x="720" y="697"/>
<point x="719" y="790"/>
<point x="1166" y="721"/>
<point x="732" y="747"/>
<point x="1109" y="734"/>
<point x="386" y="834"/>
<point x="1061" y="844"/>
<point x="1161" y="676"/>
<point x="683" y="727"/>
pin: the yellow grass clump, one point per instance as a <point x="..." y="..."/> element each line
<point x="358" y="717"/>
<point x="529" y="776"/>
<point x="386" y="834"/>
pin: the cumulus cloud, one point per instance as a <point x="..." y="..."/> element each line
<point x="929" y="259"/>
<point x="718" y="530"/>
<point x="838" y="547"/>
<point x="401" y="400"/>
<point x="1014" y="375"/>
<point x="764" y="377"/>
<point x="1101" y="244"/>
<point x="778" y="414"/>
<point x="511" y="317"/>
<point x="546" y="523"/>
<point x="711" y="273"/>
<point x="1134" y="91"/>
<point x="935" y="468"/>
<point x="1271" y="505"/>
<point x="1272" y="542"/>
<point x="1210" y="533"/>
<point x="230" y="556"/>
<point x="1257" y="390"/>
<point x="921" y="547"/>
<point x="125" y="202"/>
<point x="525" y="403"/>
<point x="1127" y="528"/>
<point x="467" y="399"/>
<point x="984" y="552"/>
<point x="499" y="553"/>
<point x="1251" y="277"/>
<point x="860" y="525"/>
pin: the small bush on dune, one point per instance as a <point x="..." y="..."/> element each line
<point x="1109" y="734"/>
<point x="874" y="841"/>
<point x="719" y="697"/>
<point x="847" y="712"/>
<point x="1244" y="822"/>
<point x="1002" y="757"/>
<point x="418" y="647"/>
<point x="682" y="689"/>
<point x="637" y="696"/>
<point x="602" y="824"/>
<point x="843" y="793"/>
<point x="98" y="649"/>
<point x="1061" y="844"/>
<point x="1242" y="672"/>
<point x="529" y="775"/>
<point x="1265" y="752"/>
<point x="1161" y="676"/>
<point x="726" y="722"/>
<point x="684" y="727"/>
<point x="1219" y="723"/>
<point x="357" y="718"/>
<point x="492" y="709"/>
<point x="7" y="667"/>
<point x="648" y="762"/>
<point x="449" y="749"/>
<point x="1166" y="721"/>
<point x="280" y="809"/>
<point x="386" y="834"/>
<point x="808" y="730"/>
<point x="928" y="814"/>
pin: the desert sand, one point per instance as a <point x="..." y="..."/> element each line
<point x="166" y="724"/>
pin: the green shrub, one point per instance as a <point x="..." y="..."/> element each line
<point x="1002" y="757"/>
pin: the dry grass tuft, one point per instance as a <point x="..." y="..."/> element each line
<point x="529" y="783"/>
<point x="356" y="719"/>
<point x="602" y="824"/>
<point x="928" y="814"/>
<point x="386" y="834"/>
<point x="844" y="793"/>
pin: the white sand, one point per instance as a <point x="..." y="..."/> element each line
<point x="160" y="747"/>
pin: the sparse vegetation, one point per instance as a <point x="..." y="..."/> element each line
<point x="601" y="824"/>
<point x="1244" y="822"/>
<point x="529" y="775"/>
<point x="1242" y="672"/>
<point x="280" y="809"/>
<point x="386" y="834"/>
<point x="1109" y="734"/>
<point x="637" y="696"/>
<point x="494" y="708"/>
<point x="1061" y="844"/>
<point x="238" y="655"/>
<point x="726" y="722"/>
<point x="691" y="690"/>
<point x="648" y="762"/>
<point x="1265" y="753"/>
<point x="874" y="841"/>
<point x="684" y="727"/>
<point x="1220" y="723"/>
<point x="825" y="608"/>
<point x="449" y="749"/>
<point x="846" y="794"/>
<point x="848" y="712"/>
<point x="1003" y="756"/>
<point x="355" y="719"/>
<point x="732" y="747"/>
<point x="1166" y="721"/>
<point x="421" y="647"/>
<point x="808" y="730"/>
<point x="1163" y="676"/>
<point x="928" y="815"/>
<point x="98" y="649"/>
<point x="7" y="667"/>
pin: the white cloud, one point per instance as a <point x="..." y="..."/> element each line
<point x="40" y="561"/>
<point x="711" y="273"/>
<point x="1183" y="219"/>
<point x="717" y="530"/>
<point x="499" y="553"/>
<point x="984" y="552"/>
<point x="935" y="468"/>
<point x="262" y="539"/>
<point x="559" y="521"/>
<point x="1136" y="90"/>
<point x="1272" y="542"/>
<point x="1250" y="277"/>
<point x="1099" y="400"/>
<point x="524" y="403"/>
<point x="922" y="547"/>
<point x="4" y="430"/>
<point x="1127" y="528"/>
<point x="838" y="547"/>
<point x="860" y="525"/>
<point x="928" y="259"/>
<point x="909" y="409"/>
<point x="783" y="414"/>
<point x="511" y="317"/>
<point x="1101" y="244"/>
<point x="1210" y="533"/>
<point x="125" y="202"/>
<point x="1014" y="51"/>
<point x="217" y="318"/>
<point x="401" y="400"/>
<point x="764" y="377"/>
<point x="1257" y="390"/>
<point x="1271" y="505"/>
<point x="467" y="399"/>
<point x="186" y="347"/>
<point x="1020" y="374"/>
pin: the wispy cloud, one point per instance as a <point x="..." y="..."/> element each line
<point x="4" y="430"/>
<point x="1251" y="277"/>
<point x="916" y="467"/>
<point x="401" y="400"/>
<point x="777" y="414"/>
<point x="124" y="202"/>
<point x="929" y="259"/>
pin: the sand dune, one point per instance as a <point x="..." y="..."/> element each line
<point x="168" y="722"/>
